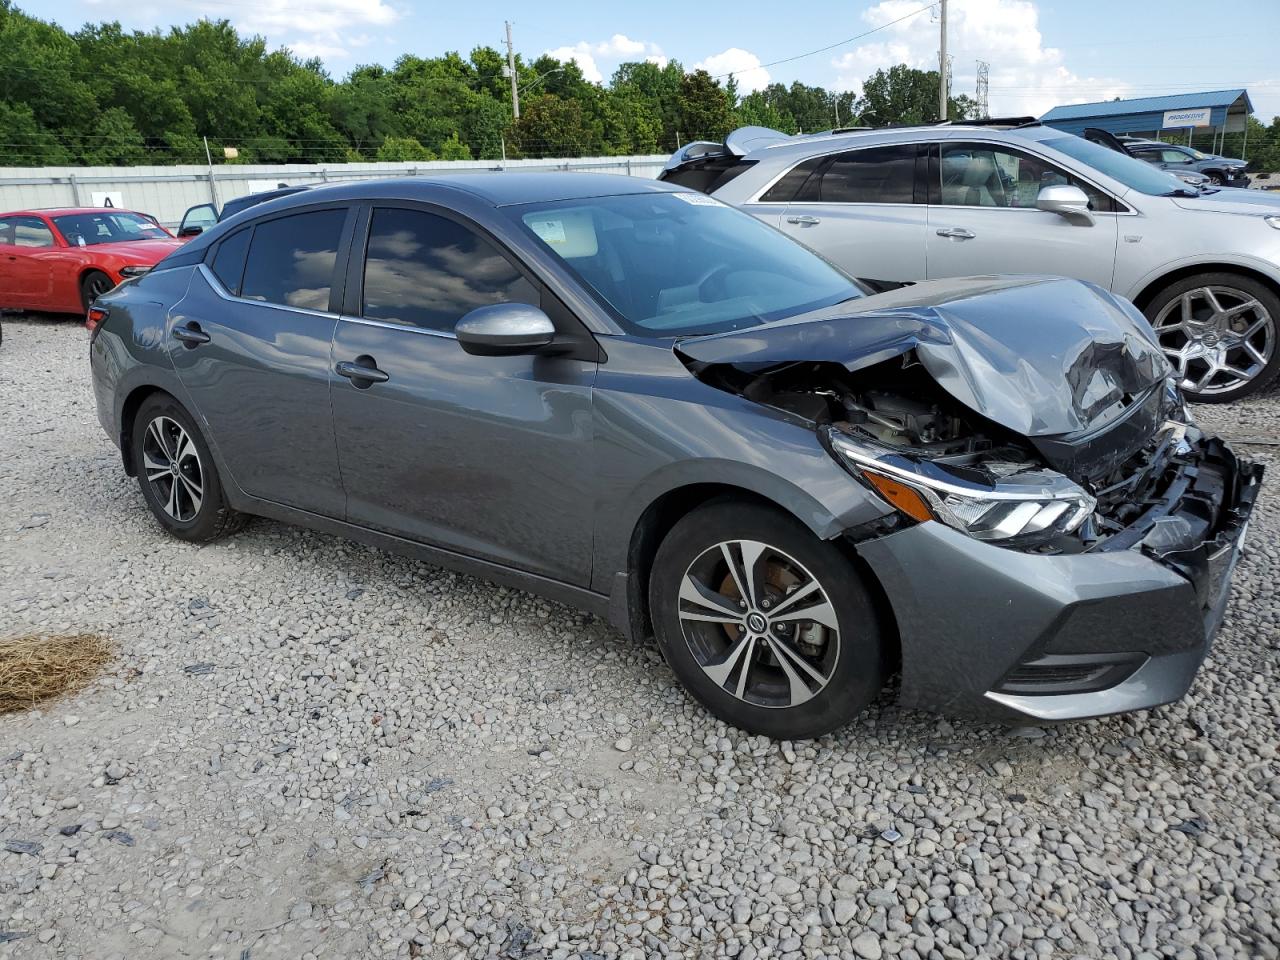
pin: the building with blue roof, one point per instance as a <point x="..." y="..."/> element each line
<point x="1222" y="111"/>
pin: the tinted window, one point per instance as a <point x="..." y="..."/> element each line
<point x="291" y="259"/>
<point x="25" y="232"/>
<point x="785" y="189"/>
<point x="977" y="175"/>
<point x="875" y="175"/>
<point x="1174" y="156"/>
<point x="675" y="264"/>
<point x="228" y="260"/>
<point x="426" y="271"/>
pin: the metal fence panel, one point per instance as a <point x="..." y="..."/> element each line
<point x="167" y="192"/>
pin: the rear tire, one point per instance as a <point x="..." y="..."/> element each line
<point x="93" y="285"/>
<point x="1221" y="332"/>
<point x="177" y="475"/>
<point x="756" y="661"/>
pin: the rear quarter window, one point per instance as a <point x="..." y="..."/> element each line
<point x="228" y="260"/>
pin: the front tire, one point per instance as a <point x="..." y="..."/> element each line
<point x="93" y="285"/>
<point x="1220" y="332"/>
<point x="176" y="473"/>
<point x="769" y="627"/>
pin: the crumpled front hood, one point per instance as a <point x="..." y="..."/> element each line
<point x="1043" y="357"/>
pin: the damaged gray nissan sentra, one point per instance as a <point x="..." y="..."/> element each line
<point x="635" y="399"/>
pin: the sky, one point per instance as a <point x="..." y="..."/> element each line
<point x="1041" y="52"/>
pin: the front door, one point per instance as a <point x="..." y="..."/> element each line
<point x="251" y="342"/>
<point x="861" y="211"/>
<point x="487" y="456"/>
<point x="983" y="218"/>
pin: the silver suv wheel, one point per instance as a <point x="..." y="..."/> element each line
<point x="1218" y="338"/>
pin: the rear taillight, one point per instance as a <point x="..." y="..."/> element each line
<point x="94" y="320"/>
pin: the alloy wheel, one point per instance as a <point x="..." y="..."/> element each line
<point x="173" y="469"/>
<point x="759" y="624"/>
<point x="1217" y="338"/>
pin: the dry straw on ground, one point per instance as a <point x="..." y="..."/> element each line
<point x="36" y="668"/>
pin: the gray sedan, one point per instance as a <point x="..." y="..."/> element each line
<point x="635" y="399"/>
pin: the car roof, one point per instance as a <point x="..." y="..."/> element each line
<point x="64" y="211"/>
<point x="499" y="188"/>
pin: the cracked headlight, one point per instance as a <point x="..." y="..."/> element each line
<point x="1010" y="504"/>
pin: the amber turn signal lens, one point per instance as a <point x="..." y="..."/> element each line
<point x="900" y="495"/>
<point x="95" y="317"/>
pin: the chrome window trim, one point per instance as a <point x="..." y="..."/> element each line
<point x="405" y="327"/>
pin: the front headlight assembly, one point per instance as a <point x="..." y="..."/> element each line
<point x="1010" y="504"/>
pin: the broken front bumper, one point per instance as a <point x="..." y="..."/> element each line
<point x="987" y="631"/>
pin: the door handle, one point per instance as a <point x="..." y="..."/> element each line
<point x="362" y="371"/>
<point x="956" y="233"/>
<point x="805" y="221"/>
<point x="190" y="334"/>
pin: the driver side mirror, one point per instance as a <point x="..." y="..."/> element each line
<point x="193" y="230"/>
<point x="1067" y="201"/>
<point x="505" y="330"/>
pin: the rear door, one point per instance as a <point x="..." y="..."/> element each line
<point x="252" y="341"/>
<point x="862" y="211"/>
<point x="28" y="254"/>
<point x="487" y="456"/>
<point x="983" y="219"/>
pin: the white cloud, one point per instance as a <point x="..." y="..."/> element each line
<point x="321" y="28"/>
<point x="1026" y="77"/>
<point x="743" y="64"/>
<point x="617" y="49"/>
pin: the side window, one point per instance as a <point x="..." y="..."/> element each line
<point x="1174" y="156"/>
<point x="425" y="271"/>
<point x="228" y="260"/>
<point x="977" y="175"/>
<point x="873" y="175"/>
<point x="291" y="259"/>
<point x="6" y="231"/>
<point x="197" y="220"/>
<point x="785" y="189"/>
<point x="26" y="232"/>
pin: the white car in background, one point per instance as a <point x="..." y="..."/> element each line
<point x="896" y="206"/>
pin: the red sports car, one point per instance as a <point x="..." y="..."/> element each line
<point x="59" y="260"/>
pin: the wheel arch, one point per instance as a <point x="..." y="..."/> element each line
<point x="629" y="607"/>
<point x="128" y="413"/>
<point x="1150" y="288"/>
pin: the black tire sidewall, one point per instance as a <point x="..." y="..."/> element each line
<point x="1261" y="292"/>
<point x="85" y="299"/>
<point x="859" y="672"/>
<point x="209" y="521"/>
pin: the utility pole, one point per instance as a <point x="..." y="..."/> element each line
<point x="511" y="71"/>
<point x="942" y="64"/>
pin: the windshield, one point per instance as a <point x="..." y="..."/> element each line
<point x="1133" y="173"/>
<point x="87" y="229"/>
<point x="679" y="264"/>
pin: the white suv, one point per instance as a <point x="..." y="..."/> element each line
<point x="900" y="205"/>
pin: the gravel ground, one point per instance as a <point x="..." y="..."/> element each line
<point x="308" y="748"/>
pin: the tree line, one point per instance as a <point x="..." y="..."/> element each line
<point x="106" y="96"/>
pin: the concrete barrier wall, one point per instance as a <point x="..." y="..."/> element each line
<point x="166" y="192"/>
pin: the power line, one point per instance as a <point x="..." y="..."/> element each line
<point x="831" y="46"/>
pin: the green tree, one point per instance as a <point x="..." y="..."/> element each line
<point x="402" y="150"/>
<point x="455" y="149"/>
<point x="904" y="95"/>
<point x="703" y="110"/>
